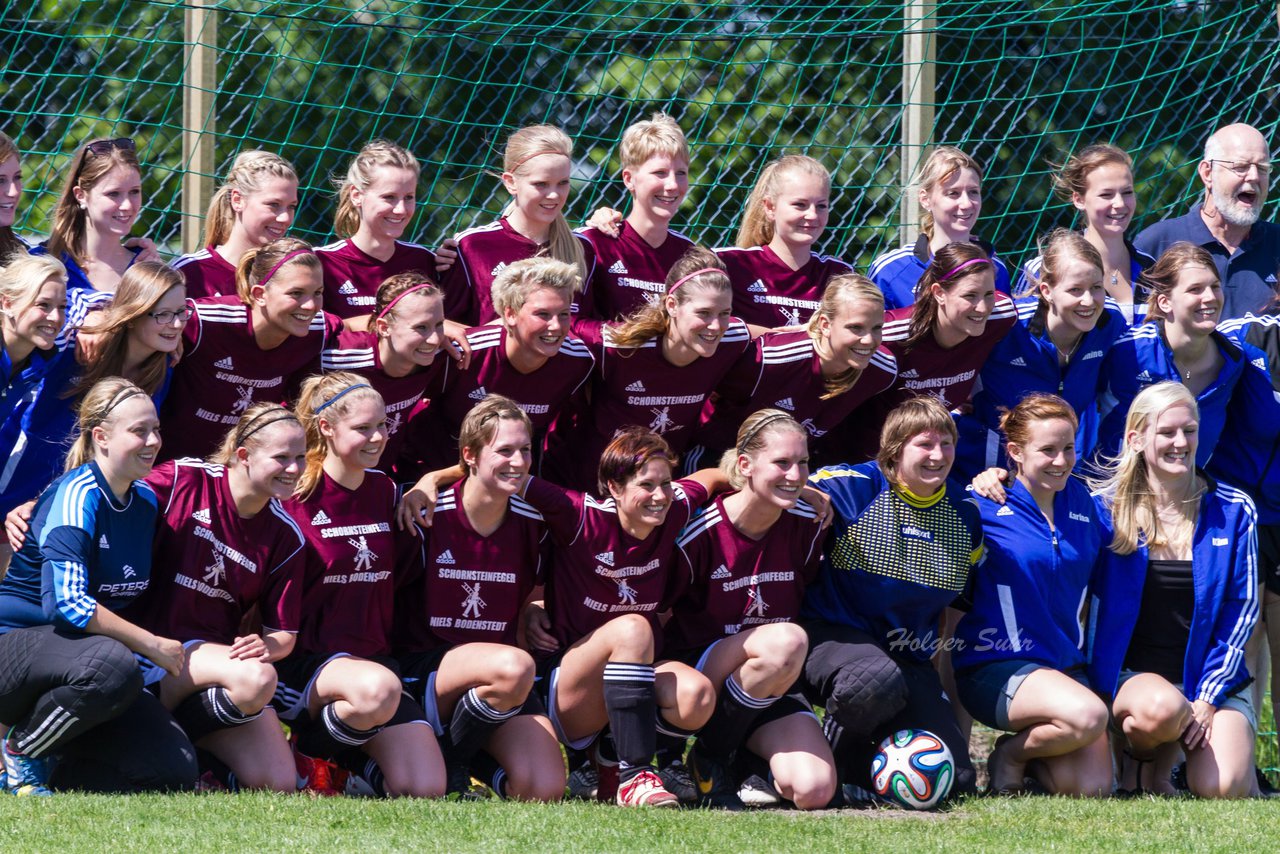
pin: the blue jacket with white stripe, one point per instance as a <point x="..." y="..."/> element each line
<point x="84" y="548"/>
<point x="1224" y="568"/>
<point x="1248" y="454"/>
<point x="1031" y="585"/>
<point x="1142" y="357"/>
<point x="1026" y="361"/>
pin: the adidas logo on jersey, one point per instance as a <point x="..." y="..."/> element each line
<point x="446" y="557"/>
<point x="502" y="265"/>
<point x="1270" y="279"/>
<point x="618" y="267"/>
<point x="1019" y="362"/>
<point x="911" y="374"/>
<point x="224" y="364"/>
<point x="1260" y="363"/>
<point x="636" y="386"/>
<point x="605" y="558"/>
<point x="347" y="288"/>
<point x="757" y="287"/>
<point x="722" y="571"/>
<point x="321" y="518"/>
<point x="103" y="544"/>
<point x="1005" y="511"/>
<point x="786" y="404"/>
<point x="1144" y="377"/>
<point x="201" y="516"/>
<point x="478" y="394"/>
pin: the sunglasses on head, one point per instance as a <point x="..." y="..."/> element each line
<point x="103" y="147"/>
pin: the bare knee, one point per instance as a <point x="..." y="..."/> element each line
<point x="811" y="787"/>
<point x="376" y="693"/>
<point x="544" y="786"/>
<point x="782" y="650"/>
<point x="1161" y="716"/>
<point x="271" y="778"/>
<point x="406" y="783"/>
<point x="510" y="676"/>
<point x="630" y="638"/>
<point x="1084" y="717"/>
<point x="252" y="685"/>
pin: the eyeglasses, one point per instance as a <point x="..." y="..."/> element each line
<point x="164" y="318"/>
<point x="103" y="147"/>
<point x="1242" y="169"/>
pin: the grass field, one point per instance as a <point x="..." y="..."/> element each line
<point x="68" y="824"/>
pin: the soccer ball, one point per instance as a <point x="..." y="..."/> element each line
<point x="914" y="769"/>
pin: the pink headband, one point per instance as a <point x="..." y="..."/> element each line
<point x="959" y="267"/>
<point x="411" y="290"/>
<point x="536" y="154"/>
<point x="694" y="274"/>
<point x="285" y="260"/>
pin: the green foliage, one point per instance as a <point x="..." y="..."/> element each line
<point x="1020" y="83"/>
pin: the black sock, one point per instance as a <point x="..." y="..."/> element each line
<point x="330" y="735"/>
<point x="220" y="770"/>
<point x="473" y="722"/>
<point x="210" y="710"/>
<point x="735" y="711"/>
<point x="488" y="770"/>
<point x="631" y="705"/>
<point x="672" y="741"/>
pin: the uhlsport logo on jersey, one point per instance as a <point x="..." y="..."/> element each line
<point x="478" y="394"/>
<point x="347" y="288"/>
<point x="618" y="267"/>
<point x="321" y="518"/>
<point x="605" y="558"/>
<point x="202" y="516"/>
<point x="225" y="364"/>
<point x="446" y="557"/>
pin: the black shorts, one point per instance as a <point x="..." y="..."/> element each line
<point x="1269" y="556"/>
<point x="295" y="675"/>
<point x="418" y="675"/>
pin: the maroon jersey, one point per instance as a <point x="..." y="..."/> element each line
<point x="223" y="372"/>
<point x="542" y="394"/>
<point x="725" y="581"/>
<point x="474" y="586"/>
<point x="629" y="272"/>
<point x="766" y="292"/>
<point x="352" y="276"/>
<point x="210" y="566"/>
<point x="350" y="578"/>
<point x="207" y="273"/>
<point x="782" y="370"/>
<point x="638" y="386"/>
<point x="598" y="570"/>
<point x="482" y="253"/>
<point x="357" y="352"/>
<point x="927" y="368"/>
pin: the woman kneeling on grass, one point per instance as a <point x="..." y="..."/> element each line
<point x="743" y="565"/>
<point x="1019" y="656"/>
<point x="69" y="683"/>
<point x="340" y="688"/>
<point x="1176" y="602"/>
<point x="901" y="552"/>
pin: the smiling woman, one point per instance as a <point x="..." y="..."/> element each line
<point x="69" y="657"/>
<point x="254" y="346"/>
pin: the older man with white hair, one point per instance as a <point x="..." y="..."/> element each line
<point x="1236" y="171"/>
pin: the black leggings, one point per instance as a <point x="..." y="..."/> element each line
<point x="869" y="694"/>
<point x="79" y="698"/>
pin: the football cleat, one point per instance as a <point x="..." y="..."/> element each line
<point x="645" y="790"/>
